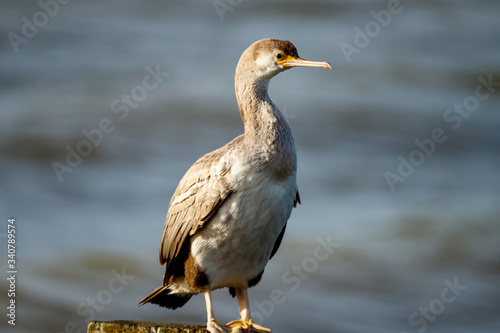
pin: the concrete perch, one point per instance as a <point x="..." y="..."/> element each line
<point x="129" y="326"/>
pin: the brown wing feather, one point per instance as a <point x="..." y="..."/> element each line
<point x="200" y="193"/>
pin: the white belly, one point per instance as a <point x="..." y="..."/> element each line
<point x="236" y="244"/>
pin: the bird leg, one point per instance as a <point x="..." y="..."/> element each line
<point x="213" y="326"/>
<point x="245" y="324"/>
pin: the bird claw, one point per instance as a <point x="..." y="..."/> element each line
<point x="236" y="326"/>
<point x="246" y="326"/>
<point x="214" y="326"/>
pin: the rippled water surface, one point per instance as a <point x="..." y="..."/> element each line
<point x="398" y="147"/>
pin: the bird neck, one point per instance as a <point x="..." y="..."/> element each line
<point x="261" y="118"/>
<point x="267" y="134"/>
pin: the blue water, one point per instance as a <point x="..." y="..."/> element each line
<point x="405" y="101"/>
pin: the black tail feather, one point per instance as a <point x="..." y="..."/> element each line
<point x="162" y="297"/>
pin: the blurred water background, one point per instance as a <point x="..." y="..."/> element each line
<point x="422" y="254"/>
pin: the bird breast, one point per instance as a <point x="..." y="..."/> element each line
<point x="236" y="244"/>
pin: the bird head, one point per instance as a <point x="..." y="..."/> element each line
<point x="267" y="57"/>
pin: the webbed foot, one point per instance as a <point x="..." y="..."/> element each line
<point x="214" y="326"/>
<point x="246" y="326"/>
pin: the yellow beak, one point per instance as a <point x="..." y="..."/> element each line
<point x="290" y="61"/>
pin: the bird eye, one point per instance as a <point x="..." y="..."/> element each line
<point x="278" y="56"/>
